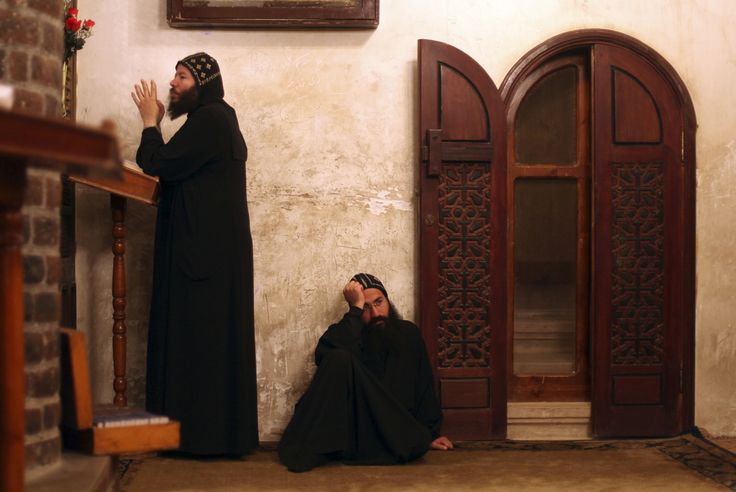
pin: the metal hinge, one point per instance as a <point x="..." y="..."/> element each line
<point x="682" y="378"/>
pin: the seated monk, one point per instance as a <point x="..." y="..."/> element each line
<point x="372" y="399"/>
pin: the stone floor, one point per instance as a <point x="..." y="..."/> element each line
<point x="79" y="473"/>
<point x="686" y="464"/>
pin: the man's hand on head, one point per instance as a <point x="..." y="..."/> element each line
<point x="353" y="293"/>
<point x="145" y="98"/>
<point x="441" y="443"/>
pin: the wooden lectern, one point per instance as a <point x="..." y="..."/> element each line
<point x="137" y="186"/>
<point x="123" y="438"/>
<point x="28" y="140"/>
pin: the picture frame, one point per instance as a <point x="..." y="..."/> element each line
<point x="273" y="13"/>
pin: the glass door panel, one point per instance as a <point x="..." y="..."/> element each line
<point x="546" y="121"/>
<point x="545" y="255"/>
<point x="549" y="228"/>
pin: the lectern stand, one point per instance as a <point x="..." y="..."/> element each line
<point x="141" y="187"/>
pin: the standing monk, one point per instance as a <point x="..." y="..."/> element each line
<point x="201" y="366"/>
<point x="372" y="399"/>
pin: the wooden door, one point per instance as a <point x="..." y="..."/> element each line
<point x="640" y="211"/>
<point x="463" y="239"/>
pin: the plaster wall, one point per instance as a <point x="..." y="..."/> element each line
<point x="330" y="118"/>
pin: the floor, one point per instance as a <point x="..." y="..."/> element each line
<point x="686" y="463"/>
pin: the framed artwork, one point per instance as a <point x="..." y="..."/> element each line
<point x="273" y="13"/>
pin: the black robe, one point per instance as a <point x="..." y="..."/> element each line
<point x="201" y="366"/>
<point x="372" y="399"/>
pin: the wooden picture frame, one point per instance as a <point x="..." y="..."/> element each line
<point x="273" y="13"/>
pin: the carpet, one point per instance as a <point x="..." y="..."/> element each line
<point x="686" y="463"/>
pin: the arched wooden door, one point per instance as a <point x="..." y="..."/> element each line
<point x="639" y="306"/>
<point x="643" y="250"/>
<point x="462" y="235"/>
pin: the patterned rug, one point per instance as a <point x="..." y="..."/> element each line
<point x="692" y="450"/>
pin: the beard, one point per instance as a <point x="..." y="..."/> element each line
<point x="187" y="102"/>
<point x="383" y="321"/>
<point x="380" y="334"/>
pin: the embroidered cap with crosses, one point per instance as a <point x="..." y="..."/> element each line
<point x="204" y="68"/>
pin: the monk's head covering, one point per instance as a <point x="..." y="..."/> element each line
<point x="206" y="73"/>
<point x="368" y="281"/>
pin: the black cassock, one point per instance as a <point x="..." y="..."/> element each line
<point x="371" y="401"/>
<point x="201" y="351"/>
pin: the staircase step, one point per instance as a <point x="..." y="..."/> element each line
<point x="548" y="421"/>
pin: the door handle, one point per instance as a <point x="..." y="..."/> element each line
<point x="434" y="152"/>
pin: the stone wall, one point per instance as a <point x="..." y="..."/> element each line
<point x="31" y="50"/>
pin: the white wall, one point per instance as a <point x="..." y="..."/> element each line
<point x="330" y="120"/>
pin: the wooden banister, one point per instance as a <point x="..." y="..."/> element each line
<point x="119" y="330"/>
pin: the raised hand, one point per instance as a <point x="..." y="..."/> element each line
<point x="353" y="293"/>
<point x="145" y="98"/>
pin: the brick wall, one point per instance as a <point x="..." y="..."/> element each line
<point x="42" y="301"/>
<point x="31" y="51"/>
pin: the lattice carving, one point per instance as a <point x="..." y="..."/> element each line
<point x="637" y="324"/>
<point x="464" y="336"/>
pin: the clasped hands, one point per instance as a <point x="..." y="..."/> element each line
<point x="145" y="98"/>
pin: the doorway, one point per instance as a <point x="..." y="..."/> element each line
<point x="549" y="169"/>
<point x="557" y="235"/>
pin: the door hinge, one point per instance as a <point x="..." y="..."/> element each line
<point x="682" y="147"/>
<point x="682" y="378"/>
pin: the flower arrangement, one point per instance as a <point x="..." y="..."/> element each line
<point x="76" y="31"/>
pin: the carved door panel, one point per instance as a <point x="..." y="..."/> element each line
<point x="462" y="235"/>
<point x="639" y="257"/>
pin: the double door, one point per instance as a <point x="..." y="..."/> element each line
<point x="556" y="247"/>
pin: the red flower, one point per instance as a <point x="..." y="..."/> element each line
<point x="89" y="23"/>
<point x="73" y="12"/>
<point x="73" y="24"/>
